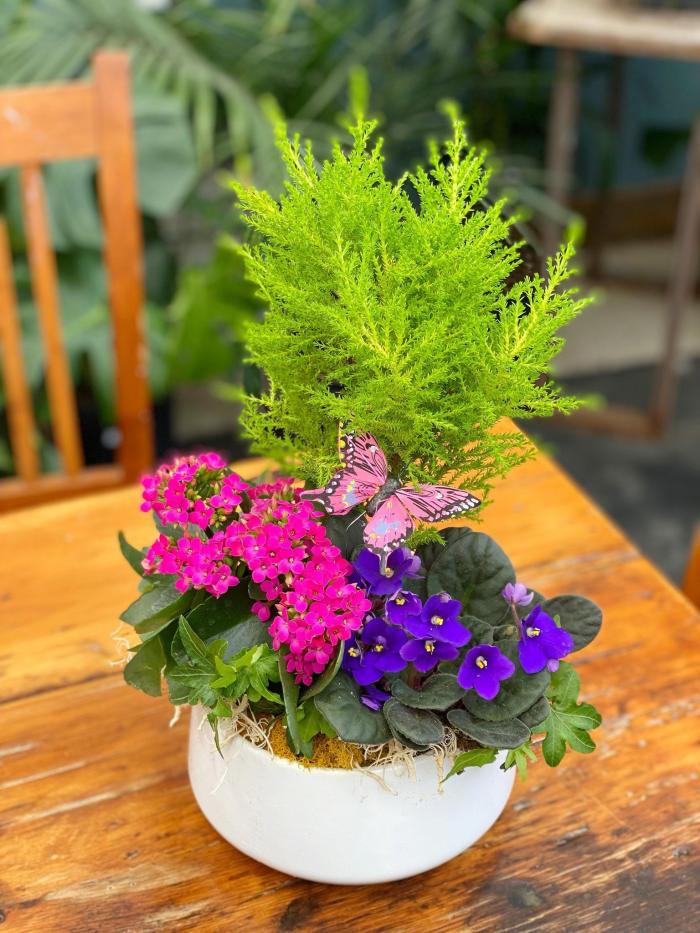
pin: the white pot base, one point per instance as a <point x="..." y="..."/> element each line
<point x="335" y="826"/>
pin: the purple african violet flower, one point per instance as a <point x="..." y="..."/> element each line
<point x="403" y="605"/>
<point x="374" y="697"/>
<point x="439" y="621"/>
<point x="374" y="652"/>
<point x="483" y="669"/>
<point x="517" y="594"/>
<point x="400" y="563"/>
<point x="542" y="643"/>
<point x="426" y="653"/>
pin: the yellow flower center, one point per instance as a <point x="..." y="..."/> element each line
<point x="532" y="632"/>
<point x="388" y="572"/>
<point x="482" y="662"/>
<point x="399" y="600"/>
<point x="354" y="652"/>
<point x="436" y="620"/>
<point x="430" y="646"/>
<point x="378" y="648"/>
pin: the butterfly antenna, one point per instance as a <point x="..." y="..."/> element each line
<point x="361" y="515"/>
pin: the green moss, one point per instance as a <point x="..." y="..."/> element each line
<point x="388" y="308"/>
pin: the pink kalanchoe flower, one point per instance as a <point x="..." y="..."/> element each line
<point x="197" y="489"/>
<point x="302" y="577"/>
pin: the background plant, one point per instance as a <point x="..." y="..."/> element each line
<point x="206" y="75"/>
<point x="388" y="307"/>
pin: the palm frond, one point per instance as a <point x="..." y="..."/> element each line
<point x="55" y="39"/>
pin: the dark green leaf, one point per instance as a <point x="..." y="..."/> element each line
<point x="345" y="532"/>
<point x="429" y="553"/>
<point x="421" y="727"/>
<point x="193" y="645"/>
<point x="290" y="692"/>
<point x="537" y="713"/>
<point x="439" y="692"/>
<point x="482" y="632"/>
<point x="509" y="733"/>
<point x="474" y="758"/>
<point x="131" y="554"/>
<point x="155" y="608"/>
<point x="226" y="618"/>
<point x="473" y="569"/>
<point x="580" y="617"/>
<point x="340" y="704"/>
<point x="516" y="694"/>
<point x="143" y="671"/>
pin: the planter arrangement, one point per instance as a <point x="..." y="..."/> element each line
<point x="351" y="658"/>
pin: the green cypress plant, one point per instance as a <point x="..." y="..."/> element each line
<point x="388" y="307"/>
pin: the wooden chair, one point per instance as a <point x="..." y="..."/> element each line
<point x="76" y="120"/>
<point x="691" y="581"/>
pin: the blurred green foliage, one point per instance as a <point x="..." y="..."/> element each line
<point x="207" y="77"/>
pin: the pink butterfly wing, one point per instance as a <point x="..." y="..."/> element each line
<point x="435" y="503"/>
<point x="362" y="475"/>
<point x="389" y="527"/>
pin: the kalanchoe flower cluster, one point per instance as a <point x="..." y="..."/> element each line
<point x="195" y="490"/>
<point x="302" y="578"/>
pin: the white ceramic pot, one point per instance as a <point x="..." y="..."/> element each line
<point x="337" y="826"/>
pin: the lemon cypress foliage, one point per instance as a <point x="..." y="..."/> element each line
<point x="387" y="307"/>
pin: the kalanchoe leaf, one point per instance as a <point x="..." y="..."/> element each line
<point x="516" y="694"/>
<point x="143" y="670"/>
<point x="192" y="643"/>
<point x="326" y="677"/>
<point x="131" y="554"/>
<point x="290" y="692"/>
<point x="474" y="570"/>
<point x="580" y="617"/>
<point x="473" y="758"/>
<point x="340" y="704"/>
<point x="509" y="733"/>
<point x="439" y="692"/>
<point x="155" y="608"/>
<point x="226" y="617"/>
<point x="421" y="727"/>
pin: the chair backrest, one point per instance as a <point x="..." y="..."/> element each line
<point x="52" y="123"/>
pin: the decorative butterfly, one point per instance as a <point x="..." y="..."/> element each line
<point x="392" y="508"/>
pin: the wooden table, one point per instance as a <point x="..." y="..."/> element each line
<point x="99" y="830"/>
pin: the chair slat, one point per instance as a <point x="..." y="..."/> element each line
<point x="42" y="262"/>
<point x="117" y="187"/>
<point x="20" y="413"/>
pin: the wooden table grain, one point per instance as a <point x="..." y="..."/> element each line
<point x="99" y="830"/>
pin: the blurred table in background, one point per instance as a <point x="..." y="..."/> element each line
<point x="101" y="832"/>
<point x="623" y="28"/>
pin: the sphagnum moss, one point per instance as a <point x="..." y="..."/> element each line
<point x="388" y="308"/>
